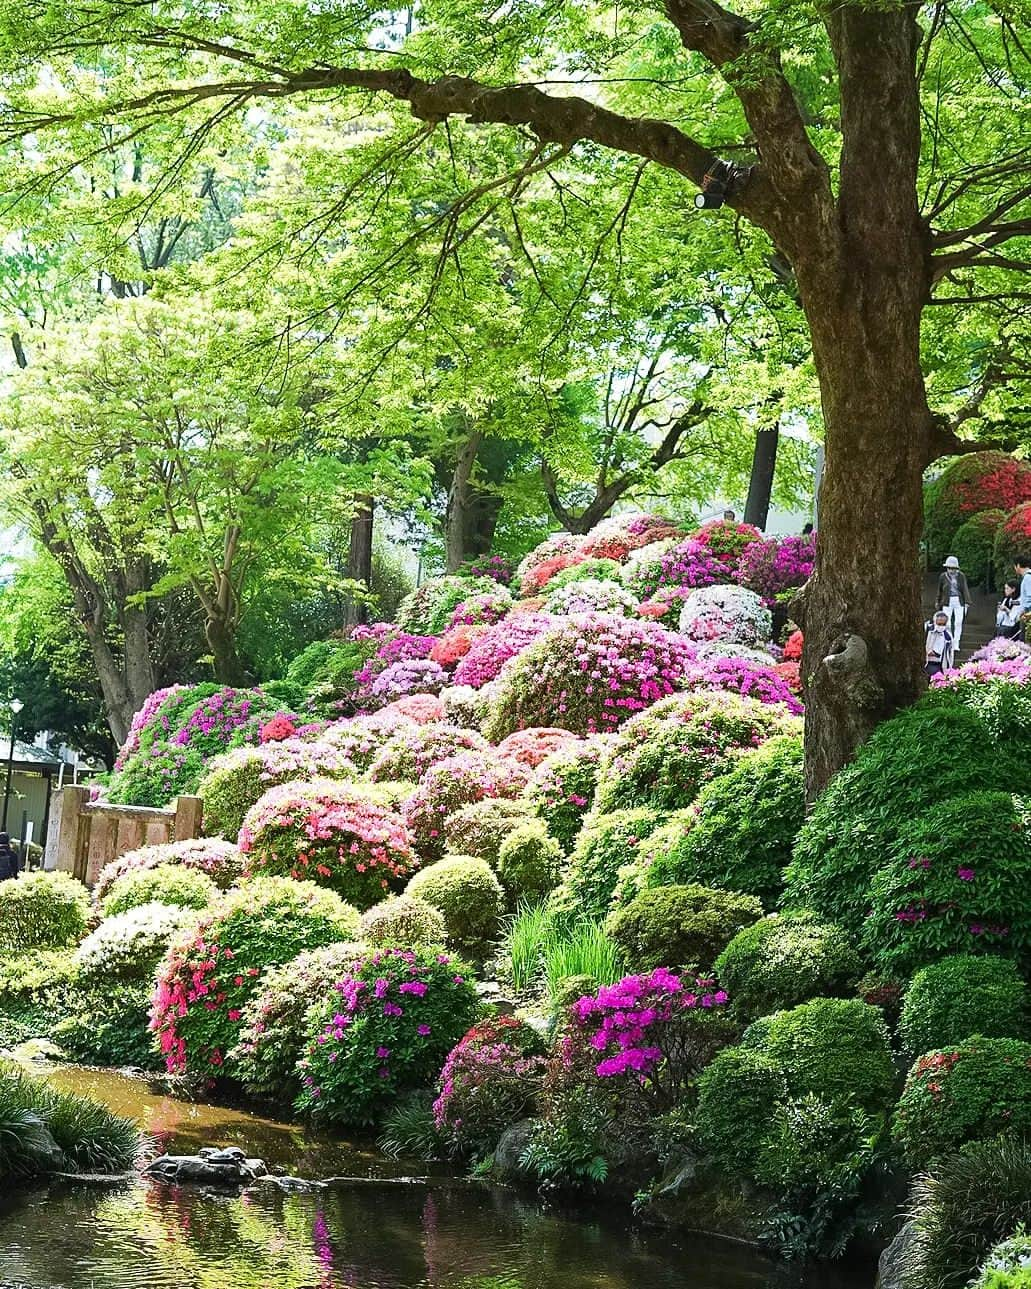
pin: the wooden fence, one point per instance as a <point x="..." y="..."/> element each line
<point x="85" y="835"/>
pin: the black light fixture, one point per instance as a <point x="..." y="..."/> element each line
<point x="719" y="182"/>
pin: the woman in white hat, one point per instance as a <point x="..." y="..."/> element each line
<point x="954" y="597"/>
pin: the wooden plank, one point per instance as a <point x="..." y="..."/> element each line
<point x="189" y="813"/>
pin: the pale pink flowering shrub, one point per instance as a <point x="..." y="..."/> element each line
<point x="726" y="613"/>
<point x="413" y="749"/>
<point x="531" y="746"/>
<point x="363" y="737"/>
<point x="489" y="652"/>
<point x="331" y="834"/>
<point x="415" y="676"/>
<point x="588" y="675"/>
<point x="591" y="595"/>
<point x="483" y="609"/>
<point x="212" y="970"/>
<point x="220" y="860"/>
<point x="741" y="676"/>
<point x="563" y="788"/>
<point x="1015" y="670"/>
<point x="451" y="784"/>
<point x="423" y="709"/>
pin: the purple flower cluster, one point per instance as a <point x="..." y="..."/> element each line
<point x="688" y="564"/>
<point x="142" y="720"/>
<point x="776" y="564"/>
<point x="485" y="608"/>
<point x="626" y="1024"/>
<point x="213" y="721"/>
<point x="412" y="676"/>
<point x="741" y="676"/>
<point x="498" y="567"/>
<point x="1015" y="670"/>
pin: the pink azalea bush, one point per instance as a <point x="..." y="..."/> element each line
<point x="145" y="719"/>
<point x="451" y="784"/>
<point x="491" y="1079"/>
<point x="1015" y="670"/>
<point x="776" y="564"/>
<point x="383" y="1029"/>
<point x="220" y="860"/>
<point x="730" y="614"/>
<point x="212" y="970"/>
<point x="563" y="787"/>
<point x="392" y="646"/>
<point x="329" y="833"/>
<point x="417" y="676"/>
<point x="499" y="568"/>
<point x="665" y="605"/>
<point x="360" y="739"/>
<point x="588" y="674"/>
<point x="531" y="746"/>
<point x="726" y="539"/>
<point x="741" y="676"/>
<point x="558" y="544"/>
<point x="414" y="748"/>
<point x="689" y="564"/>
<point x="483" y="609"/>
<point x="489" y="652"/>
<point x="1000" y="650"/>
<point x="423" y="709"/>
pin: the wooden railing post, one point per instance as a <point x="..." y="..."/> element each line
<point x="62" y="848"/>
<point x="189" y="812"/>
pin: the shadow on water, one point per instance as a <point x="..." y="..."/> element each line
<point x="140" y="1235"/>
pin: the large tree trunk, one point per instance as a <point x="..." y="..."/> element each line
<point x="120" y="703"/>
<point x="760" y="482"/>
<point x="228" y="665"/>
<point x="460" y="501"/>
<point x="359" y="558"/>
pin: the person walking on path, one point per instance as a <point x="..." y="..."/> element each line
<point x="938" y="648"/>
<point x="8" y="859"/>
<point x="1008" y="616"/>
<point x="954" y="597"/>
<point x="1023" y="566"/>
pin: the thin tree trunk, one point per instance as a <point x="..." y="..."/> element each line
<point x="359" y="558"/>
<point x="460" y="501"/>
<point x="228" y="666"/>
<point x="760" y="483"/>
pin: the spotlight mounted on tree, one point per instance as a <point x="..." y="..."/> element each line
<point x="720" y="181"/>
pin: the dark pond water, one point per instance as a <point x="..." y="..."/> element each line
<point x="373" y="1234"/>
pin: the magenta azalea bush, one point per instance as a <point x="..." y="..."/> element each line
<point x="499" y="568"/>
<point x="155" y="711"/>
<point x="453" y="783"/>
<point x="383" y="1029"/>
<point x="490" y="651"/>
<point x="776" y="564"/>
<point x="588" y="674"/>
<point x="220" y="860"/>
<point x="741" y="676"/>
<point x="212" y="970"/>
<point x="329" y="833"/>
<point x="687" y="565"/>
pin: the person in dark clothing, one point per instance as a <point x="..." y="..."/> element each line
<point x="8" y="858"/>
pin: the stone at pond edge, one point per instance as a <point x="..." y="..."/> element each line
<point x="510" y="1150"/>
<point x="891" y="1264"/>
<point x="208" y="1167"/>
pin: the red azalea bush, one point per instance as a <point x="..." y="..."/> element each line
<point x="383" y="1029"/>
<point x="665" y="605"/>
<point x="329" y="833"/>
<point x="451" y="784"/>
<point x="793" y="647"/>
<point x="791" y="674"/>
<point x="540" y="575"/>
<point x="490" y="1080"/>
<point x="452" y="647"/>
<point x="213" y="968"/>
<point x="530" y="747"/>
<point x="588" y="674"/>
<point x="414" y="748"/>
<point x="1012" y="540"/>
<point x="971" y="483"/>
<point x="555" y="545"/>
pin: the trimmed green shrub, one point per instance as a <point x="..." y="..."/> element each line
<point x="35" y="988"/>
<point x="42" y="911"/>
<point x="663" y="756"/>
<point x="220" y="860"/>
<point x="744" y="825"/>
<point x="680" y="926"/>
<point x="832" y="1048"/>
<point x="403" y="920"/>
<point x="212" y="970"/>
<point x="467" y="893"/>
<point x="529" y="862"/>
<point x="786" y="960"/>
<point x="272" y="1029"/>
<point x="129" y="945"/>
<point x="859" y="817"/>
<point x="607" y="843"/>
<point x="969" y="1091"/>
<point x="107" y="1024"/>
<point x="930" y="897"/>
<point x="182" y="888"/>
<point x="480" y="828"/>
<point x="736" y="1095"/>
<point x="960" y="996"/>
<point x="973" y="544"/>
<point x="563" y="789"/>
<point x="961" y="1208"/>
<point x="382" y="1031"/>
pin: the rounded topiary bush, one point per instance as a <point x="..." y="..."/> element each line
<point x="590" y="595"/>
<point x="587" y="674"/>
<point x="403" y="920"/>
<point x="329" y="833"/>
<point x="183" y="888"/>
<point x="467" y="893"/>
<point x="238" y="779"/>
<point x="129" y="945"/>
<point x="607" y="843"/>
<point x="42" y="911"/>
<point x="857" y="820"/>
<point x="731" y="614"/>
<point x="413" y="749"/>
<point x="968" y="1091"/>
<point x="741" y="828"/>
<point x="973" y="544"/>
<point x="529" y="863"/>
<point x="786" y="960"/>
<point x="451" y="784"/>
<point x="220" y="860"/>
<point x="969" y="484"/>
<point x="664" y="756"/>
<point x="1012" y="541"/>
<point x="930" y="897"/>
<point x="480" y="828"/>
<point x="950" y="1000"/>
<point x="679" y="926"/>
<point x="382" y="1030"/>
<point x="737" y="1094"/>
<point x="212" y="969"/>
<point x="563" y="789"/>
<point x="831" y="1048"/>
<point x="272" y="1029"/>
<point x="361" y="738"/>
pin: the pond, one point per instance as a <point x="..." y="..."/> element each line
<point x="374" y="1232"/>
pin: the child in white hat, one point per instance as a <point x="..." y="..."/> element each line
<point x="954" y="595"/>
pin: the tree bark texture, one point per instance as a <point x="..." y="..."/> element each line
<point x="359" y="558"/>
<point x="760" y="482"/>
